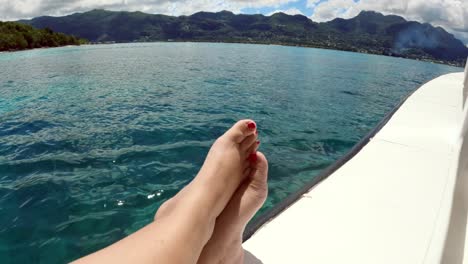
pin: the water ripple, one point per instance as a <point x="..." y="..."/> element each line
<point x="93" y="139"/>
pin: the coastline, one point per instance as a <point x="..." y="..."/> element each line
<point x="19" y="50"/>
<point x="458" y="65"/>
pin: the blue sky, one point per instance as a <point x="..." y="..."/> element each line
<point x="300" y="5"/>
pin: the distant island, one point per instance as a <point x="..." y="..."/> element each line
<point x="17" y="36"/>
<point x="369" y="32"/>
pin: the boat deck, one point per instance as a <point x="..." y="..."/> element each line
<point x="391" y="203"/>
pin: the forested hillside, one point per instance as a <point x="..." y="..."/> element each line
<point x="18" y="36"/>
<point x="369" y="32"/>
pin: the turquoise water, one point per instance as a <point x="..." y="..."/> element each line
<point x="93" y="139"/>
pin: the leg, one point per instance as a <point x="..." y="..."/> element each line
<point x="225" y="244"/>
<point x="179" y="236"/>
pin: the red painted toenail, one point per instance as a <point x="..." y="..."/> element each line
<point x="258" y="142"/>
<point x="253" y="157"/>
<point x="251" y="125"/>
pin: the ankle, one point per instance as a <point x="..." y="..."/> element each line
<point x="236" y="255"/>
<point x="209" y="199"/>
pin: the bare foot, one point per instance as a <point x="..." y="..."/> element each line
<point x="224" y="169"/>
<point x="225" y="245"/>
<point x="182" y="229"/>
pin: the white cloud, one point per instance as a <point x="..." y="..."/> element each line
<point x="290" y="11"/>
<point x="331" y="9"/>
<point x="313" y="3"/>
<point x="450" y="14"/>
<point x="15" y="9"/>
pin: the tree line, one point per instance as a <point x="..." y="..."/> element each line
<point x="17" y="36"/>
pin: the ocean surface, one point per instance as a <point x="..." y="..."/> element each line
<point x="93" y="139"/>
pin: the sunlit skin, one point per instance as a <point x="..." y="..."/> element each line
<point x="225" y="245"/>
<point x="204" y="222"/>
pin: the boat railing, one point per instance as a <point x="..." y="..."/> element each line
<point x="465" y="83"/>
<point x="457" y="226"/>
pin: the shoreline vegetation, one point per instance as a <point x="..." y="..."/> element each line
<point x="16" y="36"/>
<point x="368" y="32"/>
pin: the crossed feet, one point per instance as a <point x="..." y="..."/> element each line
<point x="227" y="192"/>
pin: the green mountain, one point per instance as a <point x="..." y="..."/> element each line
<point x="17" y="36"/>
<point x="368" y="32"/>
